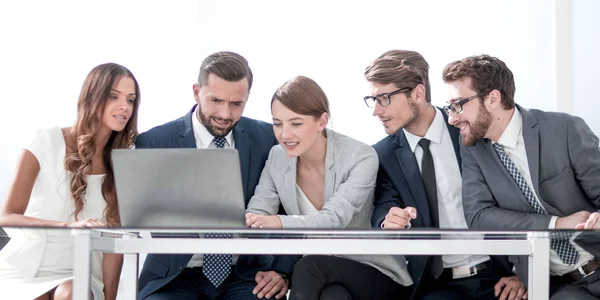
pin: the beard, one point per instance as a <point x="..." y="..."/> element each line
<point x="412" y="117"/>
<point x="479" y="128"/>
<point x="214" y="131"/>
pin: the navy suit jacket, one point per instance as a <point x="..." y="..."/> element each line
<point x="399" y="184"/>
<point x="253" y="140"/>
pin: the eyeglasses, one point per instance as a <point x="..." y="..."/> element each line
<point x="384" y="99"/>
<point x="457" y="106"/>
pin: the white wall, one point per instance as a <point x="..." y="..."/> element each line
<point x="587" y="61"/>
<point x="48" y="48"/>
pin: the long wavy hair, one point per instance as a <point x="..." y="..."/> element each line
<point x="78" y="160"/>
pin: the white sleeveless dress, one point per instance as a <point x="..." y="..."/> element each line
<point x="37" y="260"/>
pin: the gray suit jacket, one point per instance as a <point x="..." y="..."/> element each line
<point x="351" y="169"/>
<point x="564" y="161"/>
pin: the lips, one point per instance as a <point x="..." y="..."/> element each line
<point x="121" y="118"/>
<point x="221" y="122"/>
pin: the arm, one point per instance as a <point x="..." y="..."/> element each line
<point x="348" y="200"/>
<point x="585" y="158"/>
<point x="386" y="197"/>
<point x="111" y="272"/>
<point x="265" y="200"/>
<point x="19" y="192"/>
<point x="480" y="207"/>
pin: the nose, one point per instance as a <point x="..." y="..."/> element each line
<point x="123" y="104"/>
<point x="377" y="110"/>
<point x="285" y="132"/>
<point x="452" y="118"/>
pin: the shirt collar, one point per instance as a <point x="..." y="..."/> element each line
<point x="434" y="132"/>
<point x="202" y="134"/>
<point x="511" y="133"/>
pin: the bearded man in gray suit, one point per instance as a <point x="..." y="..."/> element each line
<point x="525" y="169"/>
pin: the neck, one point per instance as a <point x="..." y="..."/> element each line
<point x="314" y="158"/>
<point x="423" y="120"/>
<point x="101" y="139"/>
<point x="499" y="123"/>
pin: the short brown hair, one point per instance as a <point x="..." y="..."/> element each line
<point x="227" y="65"/>
<point x="401" y="67"/>
<point x="487" y="73"/>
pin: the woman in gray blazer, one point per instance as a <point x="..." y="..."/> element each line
<point x="323" y="179"/>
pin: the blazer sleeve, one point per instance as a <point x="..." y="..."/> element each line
<point x="265" y="200"/>
<point x="584" y="155"/>
<point x="349" y="198"/>
<point x="386" y="197"/>
<point x="481" y="209"/>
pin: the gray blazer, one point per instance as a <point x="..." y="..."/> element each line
<point x="351" y="170"/>
<point x="564" y="161"/>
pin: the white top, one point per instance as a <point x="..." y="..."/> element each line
<point x="449" y="185"/>
<point x="36" y="260"/>
<point x="514" y="146"/>
<point x="306" y="207"/>
<point x="205" y="140"/>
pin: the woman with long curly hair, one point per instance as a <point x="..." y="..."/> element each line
<point x="65" y="179"/>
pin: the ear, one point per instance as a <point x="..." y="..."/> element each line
<point x="418" y="94"/>
<point x="196" y="89"/>
<point x="495" y="98"/>
<point x="323" y="120"/>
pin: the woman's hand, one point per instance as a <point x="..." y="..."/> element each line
<point x="89" y="222"/>
<point x="258" y="221"/>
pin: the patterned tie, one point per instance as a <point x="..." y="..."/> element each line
<point x="217" y="267"/>
<point x="565" y="250"/>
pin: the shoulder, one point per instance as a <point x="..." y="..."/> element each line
<point x="158" y="132"/>
<point x="350" y="149"/>
<point x="256" y="127"/>
<point x="385" y="145"/>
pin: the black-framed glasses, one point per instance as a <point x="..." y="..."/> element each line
<point x="457" y="106"/>
<point x="384" y="99"/>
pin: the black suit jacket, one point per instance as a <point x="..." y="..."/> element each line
<point x="253" y="140"/>
<point x="399" y="184"/>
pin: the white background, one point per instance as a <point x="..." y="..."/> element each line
<point x="48" y="47"/>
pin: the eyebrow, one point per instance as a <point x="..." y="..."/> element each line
<point x="115" y="90"/>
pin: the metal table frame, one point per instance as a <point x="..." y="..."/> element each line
<point x="536" y="245"/>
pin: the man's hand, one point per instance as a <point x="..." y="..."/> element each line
<point x="398" y="218"/>
<point x="269" y="284"/>
<point x="571" y="221"/>
<point x="593" y="222"/>
<point x="510" y="288"/>
<point x="258" y="221"/>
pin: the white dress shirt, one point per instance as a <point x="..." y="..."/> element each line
<point x="514" y="146"/>
<point x="449" y="185"/>
<point x="205" y="140"/>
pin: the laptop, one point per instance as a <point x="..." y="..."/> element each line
<point x="179" y="188"/>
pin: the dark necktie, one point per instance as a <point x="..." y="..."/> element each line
<point x="216" y="267"/>
<point x="428" y="175"/>
<point x="565" y="250"/>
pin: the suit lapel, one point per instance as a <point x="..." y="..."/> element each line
<point x="289" y="201"/>
<point x="531" y="137"/>
<point x="454" y="134"/>
<point x="186" y="132"/>
<point x="329" y="188"/>
<point x="242" y="144"/>
<point x="408" y="164"/>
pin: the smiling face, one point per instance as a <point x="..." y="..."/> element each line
<point x="221" y="103"/>
<point x="296" y="133"/>
<point x="401" y="111"/>
<point x="119" y="104"/>
<point x="474" y="120"/>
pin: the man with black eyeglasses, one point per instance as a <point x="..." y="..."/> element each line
<point x="419" y="182"/>
<point x="527" y="170"/>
